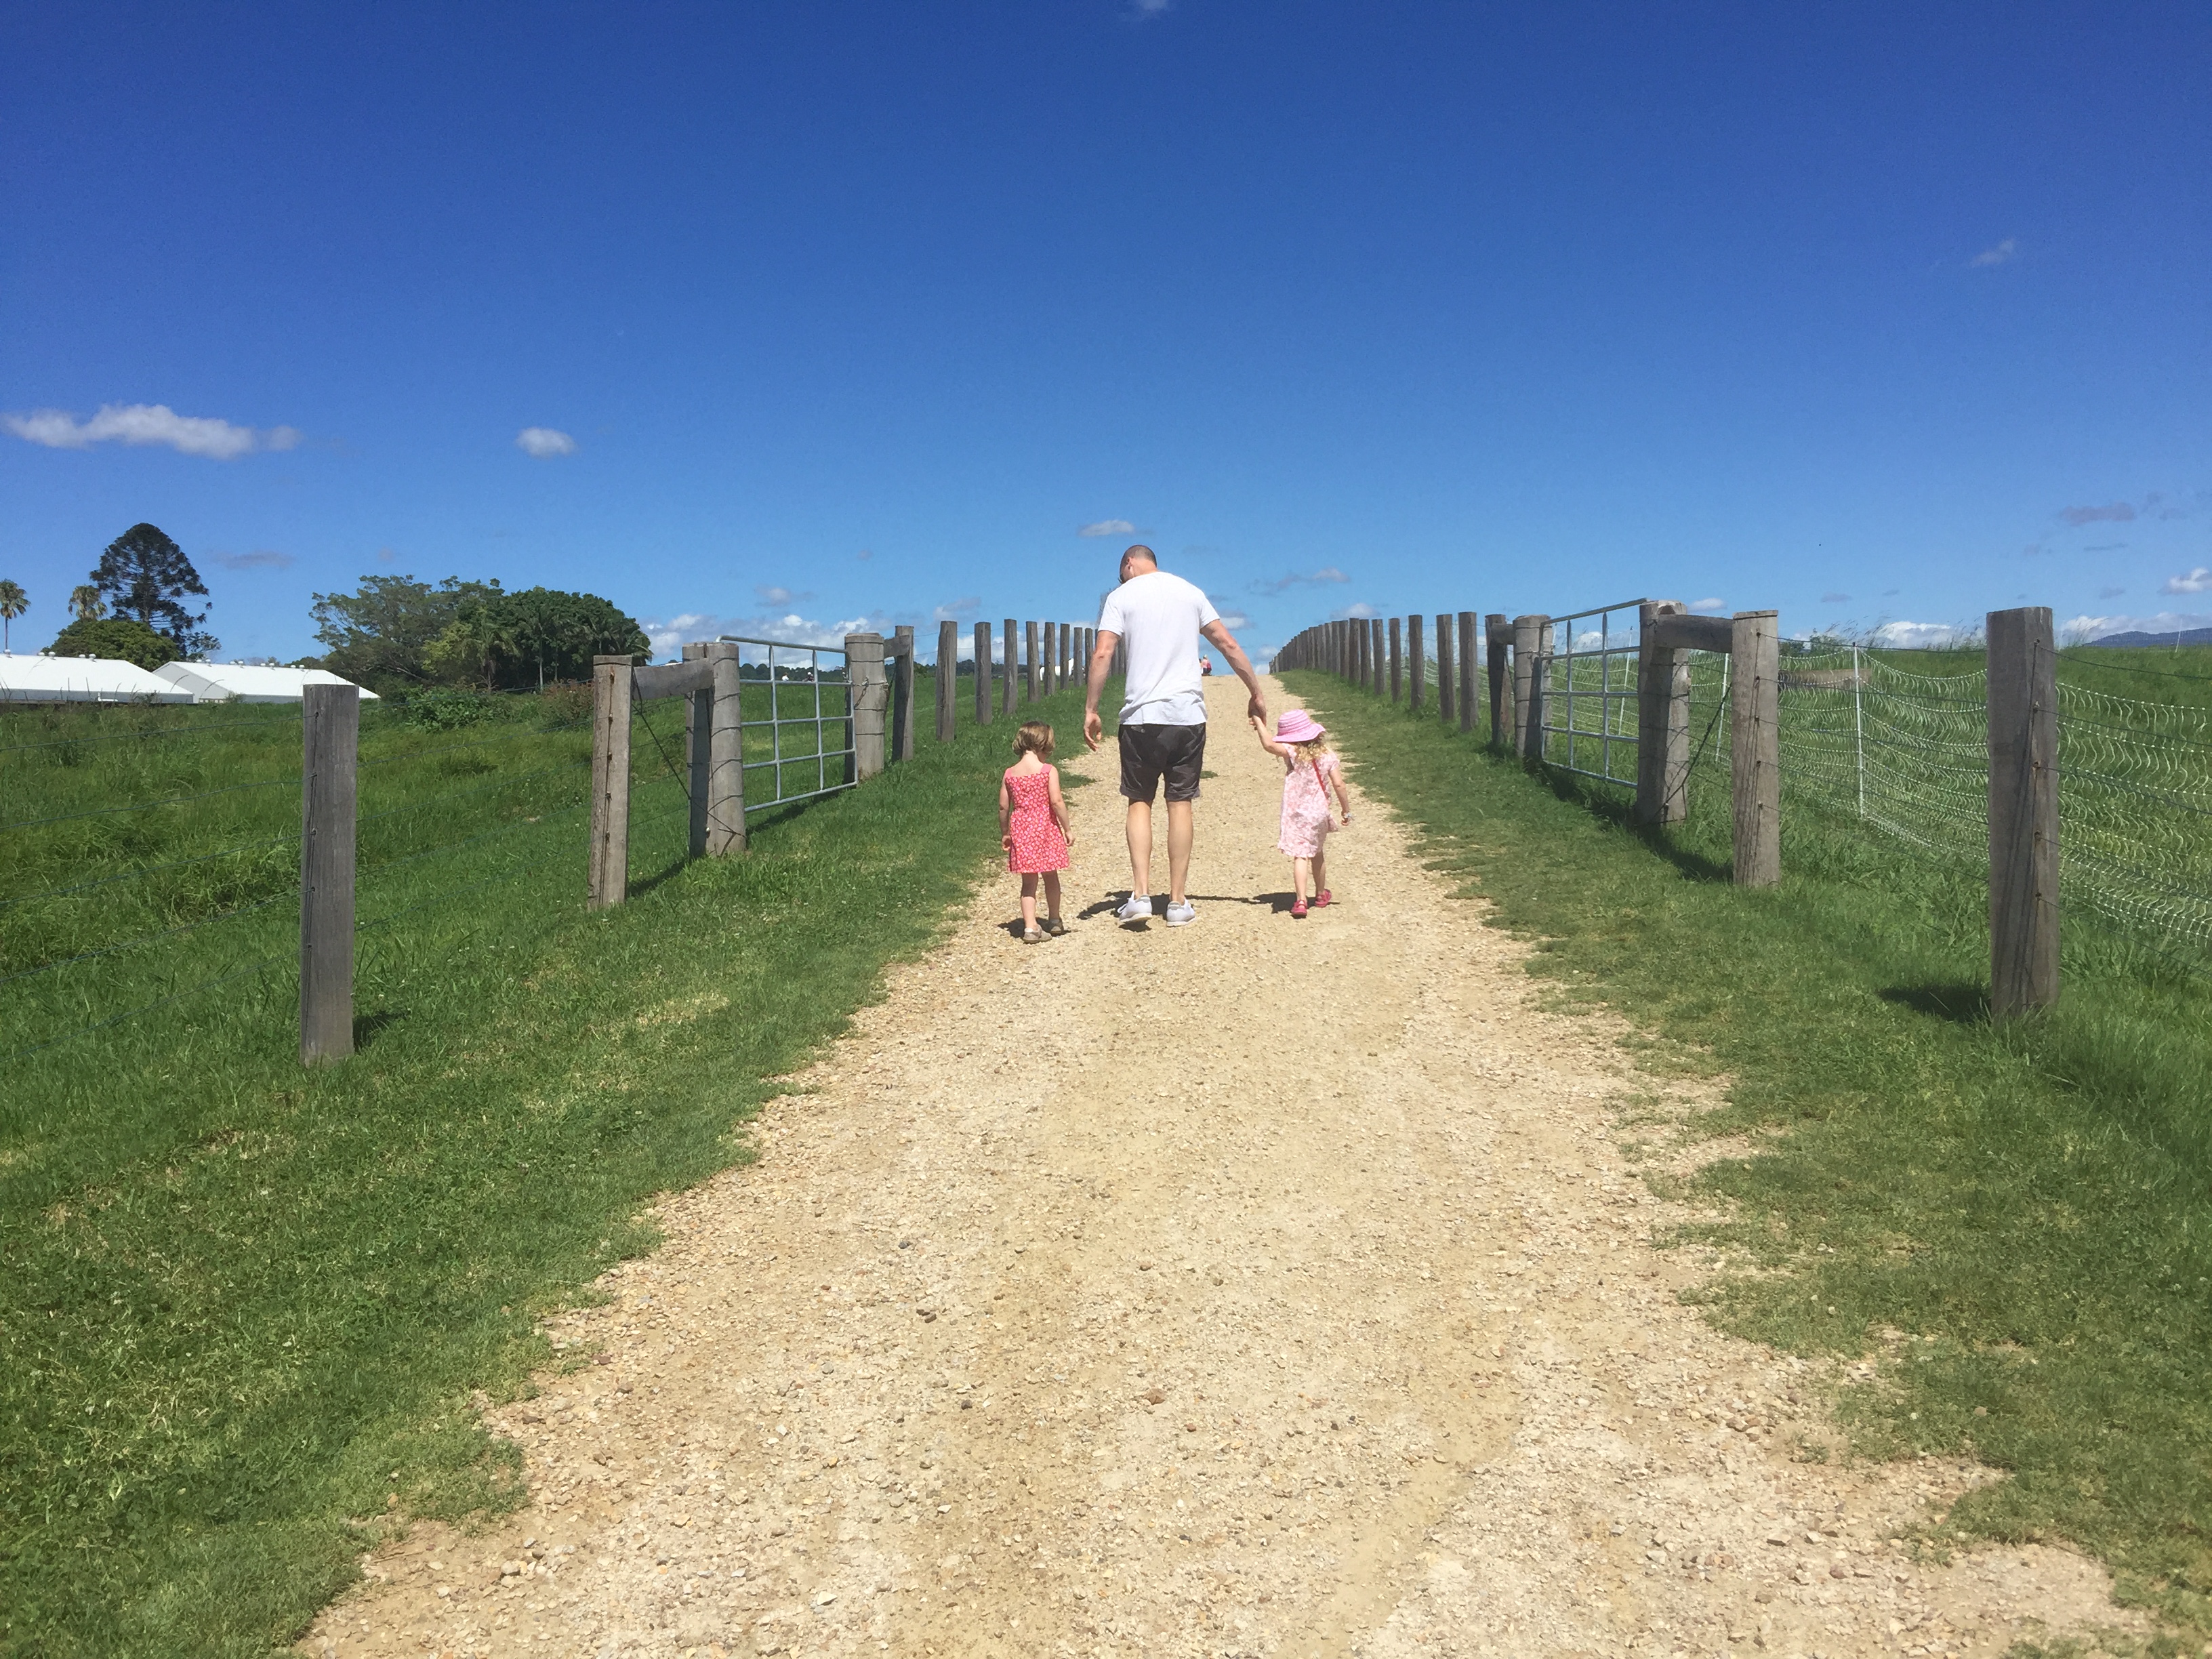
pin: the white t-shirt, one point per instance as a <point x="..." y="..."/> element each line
<point x="1157" y="617"/>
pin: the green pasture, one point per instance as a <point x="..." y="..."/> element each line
<point x="2013" y="1223"/>
<point x="243" y="1306"/>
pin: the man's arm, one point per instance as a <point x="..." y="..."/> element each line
<point x="1225" y="642"/>
<point x="1102" y="661"/>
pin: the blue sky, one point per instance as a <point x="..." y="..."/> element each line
<point x="838" y="312"/>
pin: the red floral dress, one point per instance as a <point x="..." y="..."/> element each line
<point x="1039" y="846"/>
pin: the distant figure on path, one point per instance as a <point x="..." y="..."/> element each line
<point x="1310" y="769"/>
<point x="1162" y="727"/>
<point x="1033" y="827"/>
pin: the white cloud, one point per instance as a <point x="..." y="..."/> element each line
<point x="1708" y="604"/>
<point x="2196" y="581"/>
<point x="953" y="609"/>
<point x="781" y="596"/>
<point x="1998" y="255"/>
<point x="2112" y="513"/>
<point x="1359" y="612"/>
<point x="2087" y="628"/>
<point x="670" y="636"/>
<point x="1913" y="636"/>
<point x="543" y="442"/>
<point x="1108" y="527"/>
<point x="1141" y="10"/>
<point x="263" y="561"/>
<point x="143" y="425"/>
<point x="1233" y="619"/>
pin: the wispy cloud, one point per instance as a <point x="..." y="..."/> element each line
<point x="669" y="634"/>
<point x="1916" y="635"/>
<point x="262" y="561"/>
<point x="543" y="442"/>
<point x="143" y="425"/>
<point x="2104" y="546"/>
<point x="2110" y="592"/>
<point x="779" y="596"/>
<point x="1355" y="612"/>
<point x="1708" y="604"/>
<point x="1835" y="598"/>
<point x="2112" y="513"/>
<point x="2002" y="253"/>
<point x="1141" y="10"/>
<point x="2198" y="580"/>
<point x="953" y="609"/>
<point x="1327" y="573"/>
<point x="1108" y="527"/>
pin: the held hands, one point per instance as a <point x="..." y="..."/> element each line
<point x="1094" y="729"/>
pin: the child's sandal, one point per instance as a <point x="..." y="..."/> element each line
<point x="1298" y="909"/>
<point x="1031" y="936"/>
<point x="1321" y="898"/>
<point x="1056" y="928"/>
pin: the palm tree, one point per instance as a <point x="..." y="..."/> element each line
<point x="14" y="602"/>
<point x="85" y="601"/>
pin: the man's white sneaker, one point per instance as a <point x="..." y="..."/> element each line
<point x="1139" y="909"/>
<point x="1182" y="914"/>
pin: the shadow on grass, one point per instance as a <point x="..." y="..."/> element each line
<point x="1957" y="1001"/>
<point x="1618" y="809"/>
<point x="366" y="1027"/>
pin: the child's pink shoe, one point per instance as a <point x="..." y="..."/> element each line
<point x="1298" y="909"/>
<point x="1321" y="898"/>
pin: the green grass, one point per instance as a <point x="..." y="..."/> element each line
<point x="2026" y="1208"/>
<point x="243" y="1307"/>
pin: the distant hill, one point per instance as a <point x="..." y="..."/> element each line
<point x="2186" y="636"/>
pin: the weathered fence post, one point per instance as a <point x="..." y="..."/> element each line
<point x="1029" y="671"/>
<point x="1498" y="638"/>
<point x="2023" y="716"/>
<point x="1467" y="669"/>
<point x="1663" y="719"/>
<point x="725" y="753"/>
<point x="1755" y="758"/>
<point x="1378" y="656"/>
<point x="1013" y="661"/>
<point x="608" y="877"/>
<point x="698" y="735"/>
<point x="983" y="687"/>
<point x="948" y="676"/>
<point x="329" y="721"/>
<point x="870" y="693"/>
<point x="1447" y="681"/>
<point x="1530" y="635"/>
<point x="1417" y="668"/>
<point x="902" y="695"/>
<point x="1067" y="653"/>
<point x="1397" y="660"/>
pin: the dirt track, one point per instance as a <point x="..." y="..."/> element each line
<point x="1257" y="1287"/>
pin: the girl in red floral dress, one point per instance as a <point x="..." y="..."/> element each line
<point x="1033" y="827"/>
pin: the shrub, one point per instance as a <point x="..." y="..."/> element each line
<point x="116" y="638"/>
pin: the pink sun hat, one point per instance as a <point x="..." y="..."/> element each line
<point x="1298" y="727"/>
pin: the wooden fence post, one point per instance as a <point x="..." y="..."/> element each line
<point x="1066" y="655"/>
<point x="1447" y="680"/>
<point x="1662" y="721"/>
<point x="1030" y="673"/>
<point x="1397" y="659"/>
<point x="608" y="881"/>
<point x="870" y="694"/>
<point x="2023" y="716"/>
<point x="948" y="676"/>
<point x="1417" y="668"/>
<point x="726" y="754"/>
<point x="1755" y="757"/>
<point x="1497" y="640"/>
<point x="1529" y="634"/>
<point x="1378" y="654"/>
<point x="983" y="686"/>
<point x="698" y="736"/>
<point x="902" y="695"/>
<point x="330" y="721"/>
<point x="1468" y="640"/>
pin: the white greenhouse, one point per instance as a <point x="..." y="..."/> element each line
<point x="241" y="682"/>
<point x="82" y="679"/>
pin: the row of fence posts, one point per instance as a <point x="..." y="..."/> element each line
<point x="1386" y="657"/>
<point x="879" y="728"/>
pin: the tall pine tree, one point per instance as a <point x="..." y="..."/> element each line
<point x="145" y="575"/>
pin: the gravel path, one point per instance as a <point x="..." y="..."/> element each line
<point x="1257" y="1287"/>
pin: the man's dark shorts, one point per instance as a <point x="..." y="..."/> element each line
<point x="1150" y="753"/>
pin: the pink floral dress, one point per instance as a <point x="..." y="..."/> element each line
<point x="1305" y="806"/>
<point x="1038" y="844"/>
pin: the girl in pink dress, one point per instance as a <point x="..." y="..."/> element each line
<point x="1033" y="827"/>
<point x="1309" y="771"/>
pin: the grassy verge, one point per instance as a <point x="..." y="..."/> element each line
<point x="2013" y="1223"/>
<point x="243" y="1307"/>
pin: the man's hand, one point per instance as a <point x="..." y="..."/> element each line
<point x="1257" y="709"/>
<point x="1094" y="729"/>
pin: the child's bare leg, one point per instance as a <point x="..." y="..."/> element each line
<point x="1320" y="872"/>
<point x="1302" y="877"/>
<point x="1051" y="894"/>
<point x="1028" y="904"/>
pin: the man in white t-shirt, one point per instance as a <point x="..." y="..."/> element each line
<point x="1160" y="618"/>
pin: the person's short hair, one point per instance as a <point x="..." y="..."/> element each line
<point x="1034" y="739"/>
<point x="1140" y="552"/>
